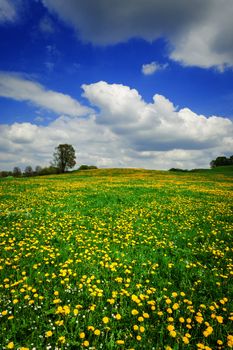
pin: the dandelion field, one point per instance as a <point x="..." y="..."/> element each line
<point x="116" y="259"/>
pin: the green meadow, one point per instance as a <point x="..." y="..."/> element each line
<point x="117" y="259"/>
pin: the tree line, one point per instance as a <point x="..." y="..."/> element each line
<point x="221" y="161"/>
<point x="64" y="158"/>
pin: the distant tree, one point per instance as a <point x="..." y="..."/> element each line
<point x="49" y="170"/>
<point x="87" y="167"/>
<point x="221" y="161"/>
<point x="38" y="170"/>
<point x="17" y="172"/>
<point x="28" y="171"/>
<point x="64" y="157"/>
<point x="4" y="173"/>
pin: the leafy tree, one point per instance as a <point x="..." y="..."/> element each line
<point x="4" y="173"/>
<point x="64" y="157"/>
<point x="17" y="171"/>
<point x="28" y="171"/>
<point x="38" y="170"/>
<point x="87" y="167"/>
<point x="49" y="170"/>
<point x="221" y="161"/>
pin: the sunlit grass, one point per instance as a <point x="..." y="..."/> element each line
<point x="116" y="259"/>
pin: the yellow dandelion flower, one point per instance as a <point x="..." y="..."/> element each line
<point x="56" y="301"/>
<point x="230" y="341"/>
<point x="142" y="329"/>
<point x="185" y="340"/>
<point x="105" y="320"/>
<point x="173" y="334"/>
<point x="120" y="342"/>
<point x="118" y="317"/>
<point x="48" y="334"/>
<point x="219" y="342"/>
<point x="10" y="345"/>
<point x="208" y="331"/>
<point x="85" y="343"/>
<point x="97" y="332"/>
<point x="82" y="335"/>
<point x="219" y="319"/>
<point x="134" y="312"/>
<point x="199" y="319"/>
<point x="175" y="306"/>
<point x="62" y="339"/>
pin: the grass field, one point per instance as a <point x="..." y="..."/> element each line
<point x="117" y="259"/>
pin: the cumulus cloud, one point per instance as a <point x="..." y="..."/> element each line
<point x="126" y="132"/>
<point x="199" y="32"/>
<point x="19" y="88"/>
<point x="151" y="68"/>
<point x="8" y="11"/>
<point x="25" y="144"/>
<point x="154" y="126"/>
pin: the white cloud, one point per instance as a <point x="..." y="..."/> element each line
<point x="200" y="33"/>
<point x="21" y="89"/>
<point x="151" y="68"/>
<point x="8" y="11"/>
<point x="127" y="132"/>
<point x="155" y="126"/>
<point x="211" y="42"/>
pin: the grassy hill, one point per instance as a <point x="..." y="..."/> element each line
<point x="117" y="259"/>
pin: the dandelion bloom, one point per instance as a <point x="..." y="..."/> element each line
<point x="105" y="320"/>
<point x="48" y="334"/>
<point x="219" y="319"/>
<point x="134" y="312"/>
<point x="173" y="334"/>
<point x="185" y="340"/>
<point x="62" y="339"/>
<point x="170" y="327"/>
<point x="142" y="329"/>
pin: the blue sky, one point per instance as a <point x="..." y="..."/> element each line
<point x="137" y="84"/>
